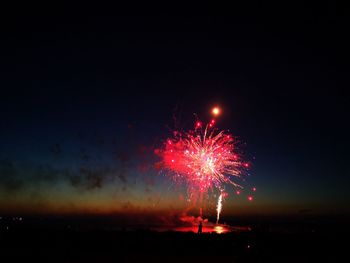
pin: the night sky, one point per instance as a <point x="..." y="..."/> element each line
<point x="86" y="98"/>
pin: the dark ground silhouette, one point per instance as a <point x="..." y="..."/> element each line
<point x="49" y="240"/>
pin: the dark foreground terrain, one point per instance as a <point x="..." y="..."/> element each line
<point x="48" y="240"/>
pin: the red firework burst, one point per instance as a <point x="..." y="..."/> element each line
<point x="204" y="158"/>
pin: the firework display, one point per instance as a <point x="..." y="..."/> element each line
<point x="204" y="158"/>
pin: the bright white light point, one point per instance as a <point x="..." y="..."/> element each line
<point x="216" y="111"/>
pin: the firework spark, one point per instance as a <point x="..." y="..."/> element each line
<point x="216" y="111"/>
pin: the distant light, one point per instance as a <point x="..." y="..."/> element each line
<point x="238" y="192"/>
<point x="250" y="198"/>
<point x="198" y="124"/>
<point x="254" y="189"/>
<point x="219" y="229"/>
<point x="248" y="246"/>
<point x="216" y="111"/>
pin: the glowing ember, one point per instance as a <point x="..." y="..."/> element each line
<point x="219" y="229"/>
<point x="216" y="111"/>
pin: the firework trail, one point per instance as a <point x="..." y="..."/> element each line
<point x="218" y="208"/>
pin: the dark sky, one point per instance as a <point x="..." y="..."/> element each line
<point x="86" y="98"/>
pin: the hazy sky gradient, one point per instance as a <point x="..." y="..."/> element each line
<point x="86" y="101"/>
